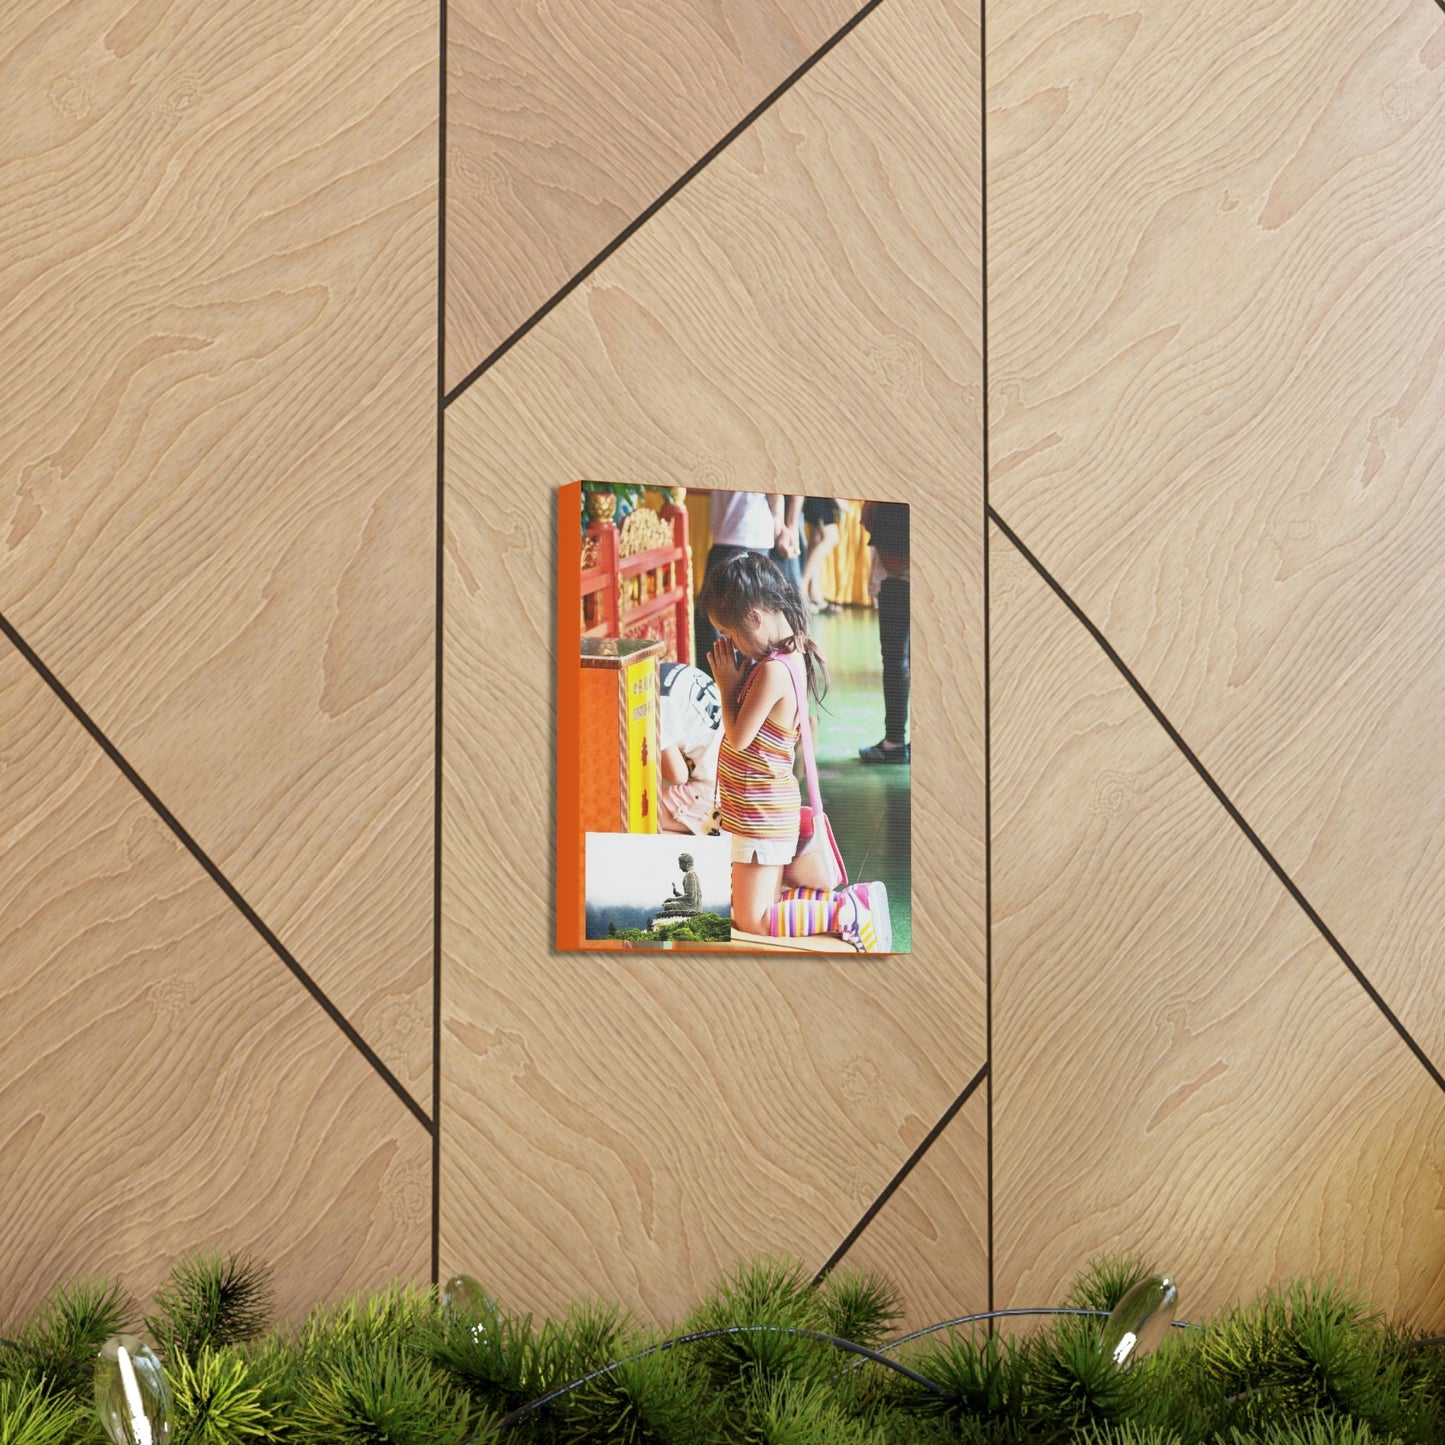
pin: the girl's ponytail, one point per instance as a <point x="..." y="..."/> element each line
<point x="795" y="610"/>
<point x="813" y="664"/>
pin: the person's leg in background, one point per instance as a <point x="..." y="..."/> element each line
<point x="788" y="553"/>
<point x="820" y="528"/>
<point x="893" y="641"/>
<point x="792" y="569"/>
<point x="822" y="539"/>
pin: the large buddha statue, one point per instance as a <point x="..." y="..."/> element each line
<point x="689" y="901"/>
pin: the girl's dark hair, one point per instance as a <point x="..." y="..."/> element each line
<point x="734" y="587"/>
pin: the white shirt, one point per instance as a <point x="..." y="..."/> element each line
<point x="689" y="715"/>
<point x="742" y="519"/>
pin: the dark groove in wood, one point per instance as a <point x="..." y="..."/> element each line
<point x="987" y="636"/>
<point x="436" y="993"/>
<point x="699" y="166"/>
<point x="904" y="1171"/>
<point x="219" y="878"/>
<point x="1290" y="885"/>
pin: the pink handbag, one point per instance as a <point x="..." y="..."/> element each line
<point x="817" y="863"/>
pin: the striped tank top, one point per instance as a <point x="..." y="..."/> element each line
<point x="759" y="794"/>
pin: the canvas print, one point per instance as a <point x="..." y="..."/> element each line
<point x="733" y="689"/>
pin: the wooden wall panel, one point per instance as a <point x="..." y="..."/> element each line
<point x="1219" y="410"/>
<point x="803" y="315"/>
<point x="167" y="1082"/>
<point x="1216" y="402"/>
<point x="566" y="121"/>
<point x="932" y="1233"/>
<point x="217" y="458"/>
<point x="1182" y="1066"/>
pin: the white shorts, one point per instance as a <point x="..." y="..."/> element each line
<point x="778" y="852"/>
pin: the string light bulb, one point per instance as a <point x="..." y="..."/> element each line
<point x="469" y="1305"/>
<point x="131" y="1394"/>
<point x="1140" y="1320"/>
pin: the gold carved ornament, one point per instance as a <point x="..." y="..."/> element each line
<point x="643" y="531"/>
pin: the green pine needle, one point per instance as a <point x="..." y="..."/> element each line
<point x="860" y="1305"/>
<point x="1312" y="1347"/>
<point x="985" y="1375"/>
<point x="503" y="1362"/>
<point x="58" y="1344"/>
<point x="211" y="1300"/>
<point x="1422" y="1389"/>
<point x="654" y="1400"/>
<point x="587" y="1337"/>
<point x="1129" y="1434"/>
<point x="1310" y="1364"/>
<point x="29" y="1415"/>
<point x="803" y="1412"/>
<point x="402" y="1312"/>
<point x="484" y="1355"/>
<point x="764" y="1303"/>
<point x="770" y="1286"/>
<point x="1073" y="1384"/>
<point x="1315" y="1430"/>
<point x="381" y="1395"/>
<point x="1104" y="1281"/>
<point x="214" y="1399"/>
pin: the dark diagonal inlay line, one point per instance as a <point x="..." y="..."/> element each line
<point x="440" y="653"/>
<point x="1290" y="886"/>
<point x="903" y="1173"/>
<point x="219" y="878"/>
<point x="661" y="201"/>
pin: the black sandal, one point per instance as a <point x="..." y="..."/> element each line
<point x="879" y="754"/>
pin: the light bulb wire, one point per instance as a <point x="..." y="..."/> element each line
<point x="837" y="1342"/>
<point x="878" y="1356"/>
<point x="865" y="1353"/>
<point x="1005" y="1314"/>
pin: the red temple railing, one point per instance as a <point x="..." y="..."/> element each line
<point x="637" y="578"/>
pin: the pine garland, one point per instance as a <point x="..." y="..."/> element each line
<point x="210" y="1300"/>
<point x="766" y="1359"/>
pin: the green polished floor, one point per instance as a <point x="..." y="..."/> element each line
<point x="867" y="803"/>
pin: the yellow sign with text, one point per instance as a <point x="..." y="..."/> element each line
<point x="642" y="774"/>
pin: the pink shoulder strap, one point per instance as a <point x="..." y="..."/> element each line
<point x="798" y="673"/>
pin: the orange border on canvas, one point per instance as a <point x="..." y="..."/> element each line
<point x="569" y="703"/>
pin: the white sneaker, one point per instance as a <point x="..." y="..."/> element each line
<point x="863" y="918"/>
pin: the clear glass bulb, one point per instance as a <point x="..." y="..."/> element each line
<point x="131" y="1393"/>
<point x="464" y="1299"/>
<point x="1140" y="1320"/>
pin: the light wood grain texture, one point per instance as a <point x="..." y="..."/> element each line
<point x="217" y="443"/>
<point x="167" y="1083"/>
<point x="566" y="121"/>
<point x="806" y="313"/>
<point x="1182" y="1067"/>
<point x="933" y="1230"/>
<point x="1219" y="410"/>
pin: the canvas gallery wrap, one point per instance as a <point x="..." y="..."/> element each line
<point x="733" y="750"/>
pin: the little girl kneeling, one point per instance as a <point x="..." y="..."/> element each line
<point x="761" y="616"/>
